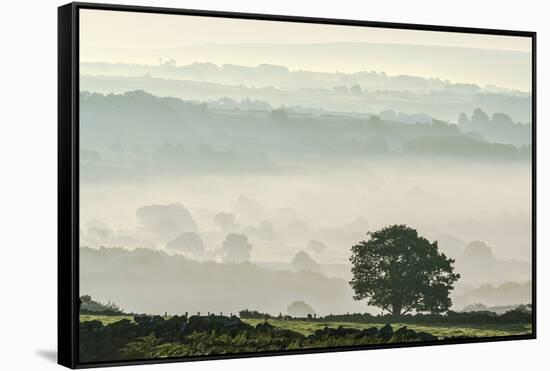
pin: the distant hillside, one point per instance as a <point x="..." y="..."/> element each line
<point x="448" y="63"/>
<point x="344" y="95"/>
<point x="150" y="281"/>
<point x="135" y="132"/>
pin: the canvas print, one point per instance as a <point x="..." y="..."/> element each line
<point x="252" y="186"/>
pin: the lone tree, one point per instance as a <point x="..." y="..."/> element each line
<point x="236" y="248"/>
<point x="300" y="309"/>
<point x="303" y="262"/>
<point x="399" y="271"/>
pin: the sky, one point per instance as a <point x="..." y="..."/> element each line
<point x="117" y="36"/>
<point x="148" y="31"/>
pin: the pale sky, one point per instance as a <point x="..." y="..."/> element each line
<point x="117" y="36"/>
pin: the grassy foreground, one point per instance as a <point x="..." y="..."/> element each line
<point x="106" y="320"/>
<point x="309" y="327"/>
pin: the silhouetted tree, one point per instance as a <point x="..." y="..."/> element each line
<point x="463" y="119"/>
<point x="479" y="117"/>
<point x="299" y="309"/>
<point x="236" y="248"/>
<point x="165" y="222"/>
<point x="356" y="89"/>
<point x="478" y="252"/>
<point x="225" y="220"/>
<point x="278" y="115"/>
<point x="502" y="119"/>
<point x="303" y="262"/>
<point x="399" y="271"/>
<point x="190" y="243"/>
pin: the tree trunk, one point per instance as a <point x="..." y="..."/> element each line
<point x="397" y="307"/>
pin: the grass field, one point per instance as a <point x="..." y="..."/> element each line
<point x="308" y="327"/>
<point x="106" y="320"/>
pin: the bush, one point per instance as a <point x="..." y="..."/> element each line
<point x="90" y="306"/>
<point x="253" y="314"/>
<point x="521" y="314"/>
<point x="154" y="337"/>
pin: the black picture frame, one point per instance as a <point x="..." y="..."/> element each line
<point x="68" y="177"/>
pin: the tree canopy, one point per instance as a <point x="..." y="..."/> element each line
<point x="300" y="309"/>
<point x="190" y="243"/>
<point x="236" y="248"/>
<point x="303" y="262"/>
<point x="399" y="271"/>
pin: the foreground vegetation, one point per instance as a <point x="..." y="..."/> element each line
<point x="308" y="327"/>
<point x="157" y="337"/>
<point x="439" y="330"/>
<point x="129" y="337"/>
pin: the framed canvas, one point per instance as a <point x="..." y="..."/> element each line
<point x="239" y="185"/>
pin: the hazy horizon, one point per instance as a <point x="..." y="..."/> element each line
<point x="221" y="40"/>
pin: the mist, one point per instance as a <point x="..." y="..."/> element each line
<point x="251" y="178"/>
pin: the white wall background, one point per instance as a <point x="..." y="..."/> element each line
<point x="28" y="145"/>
